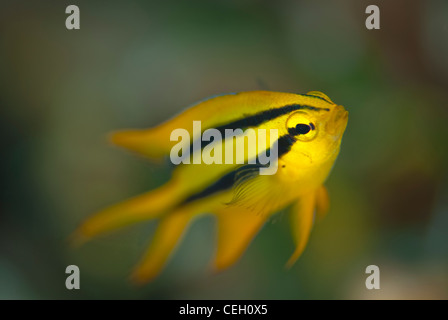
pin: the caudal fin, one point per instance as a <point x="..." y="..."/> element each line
<point x="147" y="206"/>
<point x="153" y="143"/>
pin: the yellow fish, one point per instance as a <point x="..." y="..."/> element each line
<point x="310" y="128"/>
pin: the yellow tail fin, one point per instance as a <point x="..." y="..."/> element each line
<point x="147" y="206"/>
<point x="151" y="143"/>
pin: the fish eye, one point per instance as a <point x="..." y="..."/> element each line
<point x="300" y="126"/>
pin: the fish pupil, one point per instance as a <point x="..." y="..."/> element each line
<point x="302" y="128"/>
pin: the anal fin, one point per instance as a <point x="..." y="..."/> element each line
<point x="167" y="235"/>
<point x="237" y="226"/>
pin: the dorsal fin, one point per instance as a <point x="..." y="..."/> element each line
<point x="320" y="95"/>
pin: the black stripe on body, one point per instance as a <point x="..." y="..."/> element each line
<point x="227" y="181"/>
<point x="264" y="116"/>
<point x="284" y="144"/>
<point x="224" y="183"/>
<point x="255" y="120"/>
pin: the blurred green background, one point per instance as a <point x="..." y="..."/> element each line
<point x="136" y="63"/>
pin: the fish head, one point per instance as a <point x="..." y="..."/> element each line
<point x="317" y="130"/>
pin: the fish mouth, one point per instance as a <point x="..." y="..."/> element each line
<point x="338" y="120"/>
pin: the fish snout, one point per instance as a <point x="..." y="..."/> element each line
<point x="338" y="120"/>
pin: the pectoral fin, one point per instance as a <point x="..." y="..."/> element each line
<point x="302" y="216"/>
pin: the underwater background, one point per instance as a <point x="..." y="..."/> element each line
<point x="134" y="64"/>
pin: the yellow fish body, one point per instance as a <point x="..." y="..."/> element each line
<point x="310" y="128"/>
